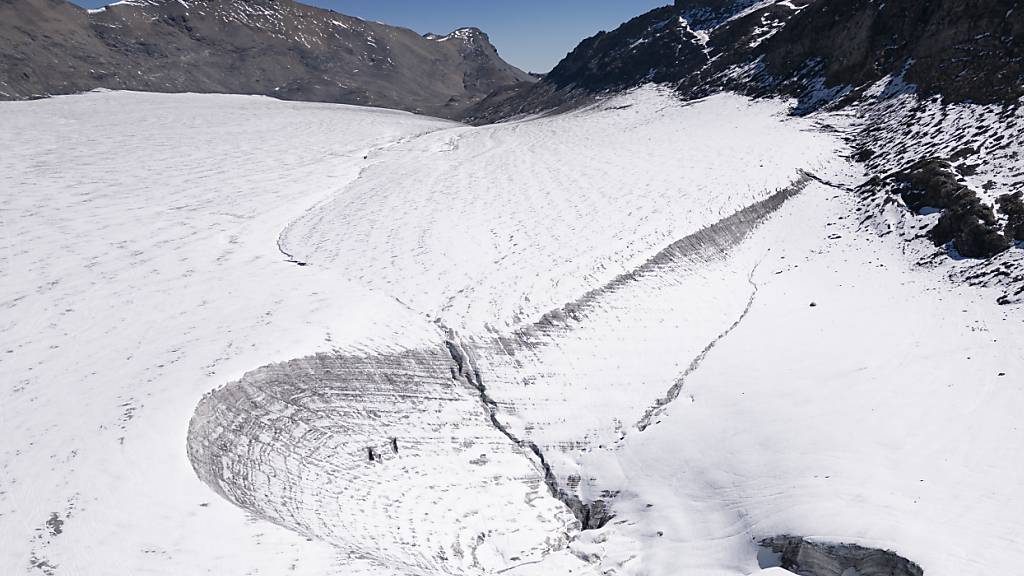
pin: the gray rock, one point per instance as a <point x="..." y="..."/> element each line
<point x="277" y="48"/>
<point x="809" y="558"/>
<point x="820" y="51"/>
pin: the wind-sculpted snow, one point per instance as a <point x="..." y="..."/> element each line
<point x="558" y="385"/>
<point x="139" y="266"/>
<point x="666" y="318"/>
<point x="490" y="228"/>
<point x="389" y="457"/>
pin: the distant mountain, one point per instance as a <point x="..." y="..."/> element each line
<point x="274" y="47"/>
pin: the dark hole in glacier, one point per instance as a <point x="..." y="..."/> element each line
<point x="806" y="558"/>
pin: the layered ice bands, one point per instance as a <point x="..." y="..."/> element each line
<point x="392" y="458"/>
<point x="596" y="369"/>
<point x="293" y="443"/>
<point x="670" y="323"/>
<point x="490" y="228"/>
<point x="407" y="459"/>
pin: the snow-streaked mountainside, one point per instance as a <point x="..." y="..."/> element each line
<point x="929" y="94"/>
<point x="278" y="48"/>
<point x="820" y="51"/>
<point x="644" y="337"/>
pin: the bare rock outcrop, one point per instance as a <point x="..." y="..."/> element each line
<point x="811" y="558"/>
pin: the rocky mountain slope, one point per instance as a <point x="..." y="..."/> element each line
<point x="278" y="48"/>
<point x="820" y="50"/>
<point x="931" y="91"/>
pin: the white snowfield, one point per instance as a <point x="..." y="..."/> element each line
<point x="489" y="228"/>
<point x="140" y="270"/>
<point x="666" y="300"/>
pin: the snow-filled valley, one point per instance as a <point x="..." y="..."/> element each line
<point x="243" y="336"/>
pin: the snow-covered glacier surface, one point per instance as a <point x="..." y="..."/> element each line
<point x="242" y="336"/>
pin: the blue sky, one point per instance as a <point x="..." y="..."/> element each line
<point x="532" y="34"/>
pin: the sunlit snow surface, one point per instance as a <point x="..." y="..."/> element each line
<point x="140" y="271"/>
<point x="638" y="264"/>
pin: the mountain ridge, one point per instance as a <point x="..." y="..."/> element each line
<point x="277" y="48"/>
<point x="934" y="84"/>
<point x="816" y="50"/>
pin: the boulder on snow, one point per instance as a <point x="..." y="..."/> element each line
<point x="971" y="225"/>
<point x="1012" y="206"/>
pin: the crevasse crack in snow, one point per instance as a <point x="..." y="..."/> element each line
<point x="677" y="387"/>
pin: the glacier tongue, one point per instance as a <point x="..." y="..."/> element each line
<point x="607" y="356"/>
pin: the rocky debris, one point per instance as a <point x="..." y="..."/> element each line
<point x="964" y="50"/>
<point x="808" y="558"/>
<point x="977" y="146"/>
<point x="929" y="183"/>
<point x="276" y="48"/>
<point x="656" y="47"/>
<point x="1012" y="206"/>
<point x="43" y="565"/>
<point x="666" y="45"/>
<point x="529" y="384"/>
<point x="971" y="227"/>
<point x="659" y="46"/>
<point x="55" y="524"/>
<point x="696" y="45"/>
<point x="937" y="80"/>
<point x="932" y="185"/>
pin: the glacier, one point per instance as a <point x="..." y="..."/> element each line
<point x="644" y="337"/>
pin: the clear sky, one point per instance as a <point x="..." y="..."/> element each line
<point x="531" y="34"/>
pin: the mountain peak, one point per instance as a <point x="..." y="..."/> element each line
<point x="468" y="34"/>
<point x="305" y="53"/>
